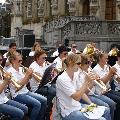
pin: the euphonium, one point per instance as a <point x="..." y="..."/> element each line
<point x="90" y="49"/>
<point x="17" y="86"/>
<point x="37" y="77"/>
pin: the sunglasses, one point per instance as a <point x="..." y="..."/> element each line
<point x="74" y="46"/>
<point x="78" y="63"/>
<point x="44" y="58"/>
<point x="88" y="62"/>
<point x="20" y="61"/>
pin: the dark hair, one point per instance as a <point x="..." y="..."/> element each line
<point x="39" y="53"/>
<point x="12" y="45"/>
<point x="62" y="49"/>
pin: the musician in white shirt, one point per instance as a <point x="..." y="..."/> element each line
<point x="105" y="72"/>
<point x="59" y="61"/>
<point x="13" y="108"/>
<point x="84" y="66"/>
<point x="69" y="92"/>
<point x="39" y="66"/>
<point x="117" y="77"/>
<point x="31" y="99"/>
<point x="73" y="49"/>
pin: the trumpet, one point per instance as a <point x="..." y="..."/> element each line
<point x="37" y="77"/>
<point x="99" y="83"/>
<point x="17" y="86"/>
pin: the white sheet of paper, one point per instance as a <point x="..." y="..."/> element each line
<point x="97" y="113"/>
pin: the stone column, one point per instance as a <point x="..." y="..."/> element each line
<point x="61" y="7"/>
<point x="102" y="5"/>
<point x="47" y="10"/>
<point x="79" y="8"/>
<point x="118" y="10"/>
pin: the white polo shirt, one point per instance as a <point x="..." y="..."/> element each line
<point x="3" y="97"/>
<point x="39" y="69"/>
<point x="58" y="62"/>
<point x="117" y="83"/>
<point x="17" y="75"/>
<point x="65" y="87"/>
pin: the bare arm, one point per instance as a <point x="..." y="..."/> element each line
<point x="2" y="85"/>
<point x="86" y="99"/>
<point x="78" y="94"/>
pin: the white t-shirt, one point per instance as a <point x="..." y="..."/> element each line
<point x="39" y="69"/>
<point x="32" y="53"/>
<point x="102" y="72"/>
<point x="80" y="75"/>
<point x="55" y="53"/>
<point x="117" y="83"/>
<point x="65" y="87"/>
<point x="17" y="75"/>
<point x="3" y="97"/>
<point x="58" y="62"/>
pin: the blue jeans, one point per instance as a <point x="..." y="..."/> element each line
<point x="104" y="101"/>
<point x="77" y="115"/>
<point x="15" y="109"/>
<point x="43" y="101"/>
<point x="50" y="93"/>
<point x="31" y="102"/>
<point x="115" y="96"/>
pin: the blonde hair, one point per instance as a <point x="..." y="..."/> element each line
<point x="13" y="56"/>
<point x="35" y="44"/>
<point x="72" y="59"/>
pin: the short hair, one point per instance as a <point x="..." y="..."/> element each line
<point x="72" y="59"/>
<point x="62" y="49"/>
<point x="39" y="53"/>
<point x="12" y="45"/>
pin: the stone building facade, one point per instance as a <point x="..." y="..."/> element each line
<point x="77" y="20"/>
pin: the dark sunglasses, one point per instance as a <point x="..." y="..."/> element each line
<point x="20" y="61"/>
<point x="44" y="58"/>
<point x="88" y="62"/>
<point x="78" y="63"/>
<point x="74" y="46"/>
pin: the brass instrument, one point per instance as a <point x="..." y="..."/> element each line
<point x="113" y="52"/>
<point x="99" y="83"/>
<point x="37" y="77"/>
<point x="90" y="49"/>
<point x="17" y="86"/>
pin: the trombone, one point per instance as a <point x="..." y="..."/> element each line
<point x="37" y="77"/>
<point x="17" y="86"/>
